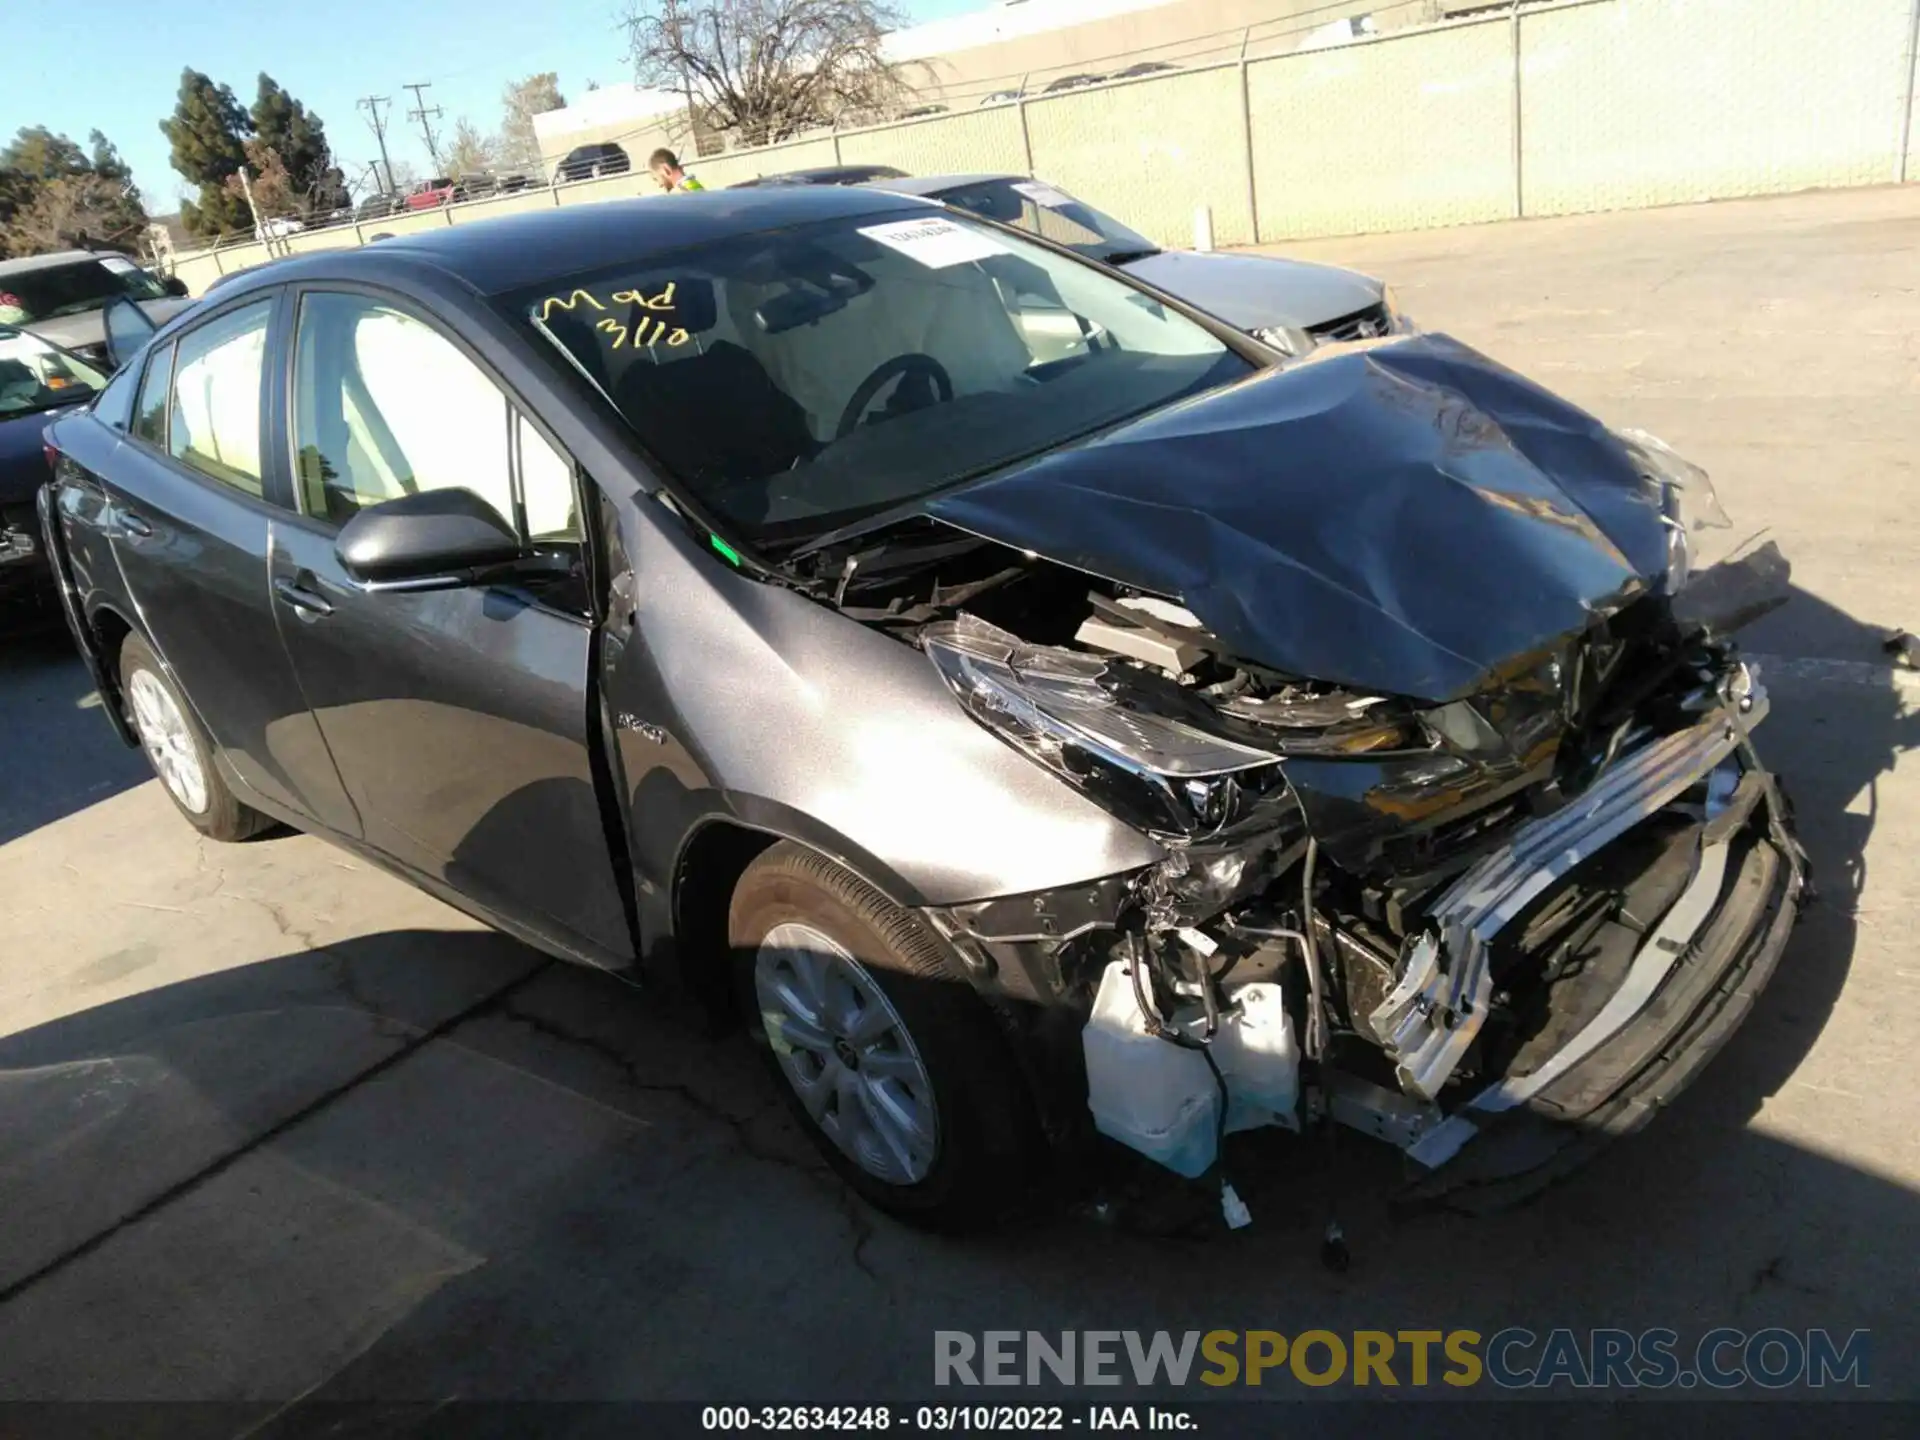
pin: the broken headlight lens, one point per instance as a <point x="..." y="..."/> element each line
<point x="1287" y="339"/>
<point x="1072" y="713"/>
<point x="1688" y="501"/>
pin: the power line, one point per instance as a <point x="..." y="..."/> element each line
<point x="371" y="104"/>
<point x="425" y="116"/>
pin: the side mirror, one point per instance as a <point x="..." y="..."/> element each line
<point x="174" y="285"/>
<point x="127" y="330"/>
<point x="433" y="539"/>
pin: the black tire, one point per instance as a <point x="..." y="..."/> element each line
<point x="224" y="816"/>
<point x="990" y="1149"/>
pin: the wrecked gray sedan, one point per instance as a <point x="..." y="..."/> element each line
<point x="1033" y="707"/>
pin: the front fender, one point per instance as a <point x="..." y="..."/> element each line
<point x="737" y="697"/>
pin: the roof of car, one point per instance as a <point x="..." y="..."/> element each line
<point x="512" y="251"/>
<point x="25" y="263"/>
<point x="936" y="184"/>
<point x="819" y="175"/>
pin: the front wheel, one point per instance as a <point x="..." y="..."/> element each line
<point x="886" y="1055"/>
<point x="178" y="748"/>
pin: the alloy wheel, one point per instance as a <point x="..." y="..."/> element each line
<point x="167" y="740"/>
<point x="847" y="1053"/>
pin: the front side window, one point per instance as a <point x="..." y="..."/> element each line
<point x="385" y="406"/>
<point x="213" y="423"/>
<point x="800" y="379"/>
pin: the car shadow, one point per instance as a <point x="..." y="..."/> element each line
<point x="417" y="1165"/>
<point x="60" y="754"/>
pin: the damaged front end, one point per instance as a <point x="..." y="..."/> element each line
<point x="1504" y="868"/>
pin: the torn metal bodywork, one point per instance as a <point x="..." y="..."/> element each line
<point x="1452" y="643"/>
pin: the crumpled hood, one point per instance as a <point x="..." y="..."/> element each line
<point x="1403" y="518"/>
<point x="1252" y="292"/>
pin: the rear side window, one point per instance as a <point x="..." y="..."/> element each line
<point x="214" y="421"/>
<point x="150" y="413"/>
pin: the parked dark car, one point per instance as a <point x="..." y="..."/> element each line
<point x="1072" y="82"/>
<point x="37" y="382"/>
<point x="1028" y="735"/>
<point x="379" y="207"/>
<point x="824" y="175"/>
<point x="61" y="297"/>
<point x="1143" y="69"/>
<point x="1292" y="305"/>
<point x="591" y="162"/>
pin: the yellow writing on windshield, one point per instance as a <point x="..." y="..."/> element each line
<point x="567" y="303"/>
<point x="662" y="301"/>
<point x="636" y="337"/>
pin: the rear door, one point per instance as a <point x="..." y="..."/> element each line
<point x="459" y="718"/>
<point x="189" y="510"/>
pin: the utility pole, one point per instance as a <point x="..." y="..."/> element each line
<point x="371" y="104"/>
<point x="246" y="189"/>
<point x="425" y="117"/>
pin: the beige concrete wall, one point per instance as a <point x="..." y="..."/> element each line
<point x="1151" y="151"/>
<point x="1399" y="133"/>
<point x="1621" y="103"/>
<point x="1653" y="102"/>
<point x="979" y="140"/>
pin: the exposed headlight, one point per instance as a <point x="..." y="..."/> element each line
<point x="1074" y="714"/>
<point x="1687" y="499"/>
<point x="1287" y="339"/>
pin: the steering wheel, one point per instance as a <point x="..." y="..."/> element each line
<point x="900" y="367"/>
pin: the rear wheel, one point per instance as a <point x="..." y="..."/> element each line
<point x="178" y="749"/>
<point x="886" y="1055"/>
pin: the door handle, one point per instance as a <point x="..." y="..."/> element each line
<point x="309" y="604"/>
<point x="132" y="524"/>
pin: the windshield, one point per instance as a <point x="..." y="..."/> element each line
<point x="37" y="376"/>
<point x="798" y="380"/>
<point x="47" y="294"/>
<point x="1054" y="215"/>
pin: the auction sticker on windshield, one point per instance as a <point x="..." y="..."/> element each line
<point x="1042" y="194"/>
<point x="934" y="243"/>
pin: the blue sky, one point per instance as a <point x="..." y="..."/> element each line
<point x="115" y="65"/>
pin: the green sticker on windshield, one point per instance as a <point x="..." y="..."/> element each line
<point x="725" y="549"/>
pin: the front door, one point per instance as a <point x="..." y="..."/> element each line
<point x="459" y="718"/>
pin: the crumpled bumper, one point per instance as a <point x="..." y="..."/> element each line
<point x="1687" y="989"/>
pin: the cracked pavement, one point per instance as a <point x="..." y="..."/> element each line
<point x="275" y="1128"/>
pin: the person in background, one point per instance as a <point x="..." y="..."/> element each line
<point x="665" y="166"/>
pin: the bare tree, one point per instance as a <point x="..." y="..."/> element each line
<point x="469" y="152"/>
<point x="274" y="194"/>
<point x="766" y="70"/>
<point x="71" y="210"/>
<point x="518" y="149"/>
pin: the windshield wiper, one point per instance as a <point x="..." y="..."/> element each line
<point x="1127" y="257"/>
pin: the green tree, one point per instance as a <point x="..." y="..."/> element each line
<point x="208" y="130"/>
<point x="299" y="138"/>
<point x="518" y="149"/>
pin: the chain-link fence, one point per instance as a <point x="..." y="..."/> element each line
<point x="1517" y="110"/>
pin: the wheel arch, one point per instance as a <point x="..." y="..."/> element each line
<point x="713" y="856"/>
